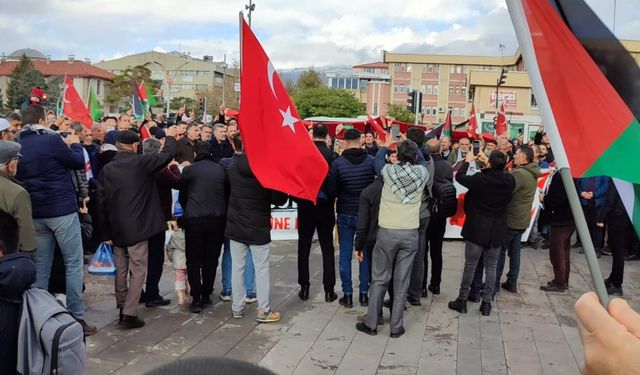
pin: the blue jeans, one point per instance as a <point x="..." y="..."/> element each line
<point x="511" y="246"/>
<point x="249" y="273"/>
<point x="347" y="225"/>
<point x="66" y="231"/>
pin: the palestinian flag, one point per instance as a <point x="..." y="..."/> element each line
<point x="473" y="124"/>
<point x="590" y="127"/>
<point x="446" y="132"/>
<point x="136" y="102"/>
<point x="94" y="106"/>
<point x="619" y="68"/>
<point x="147" y="97"/>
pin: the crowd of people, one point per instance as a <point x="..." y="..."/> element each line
<point x="70" y="188"/>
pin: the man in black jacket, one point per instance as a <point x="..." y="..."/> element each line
<point x="204" y="191"/>
<point x="437" y="224"/>
<point x="485" y="225"/>
<point x="220" y="145"/>
<point x="249" y="228"/>
<point x="321" y="217"/>
<point x="129" y="201"/>
<point x="185" y="148"/>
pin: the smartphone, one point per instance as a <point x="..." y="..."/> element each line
<point x="476" y="147"/>
<point x="395" y="131"/>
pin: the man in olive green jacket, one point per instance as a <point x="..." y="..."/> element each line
<point x="14" y="199"/>
<point x="525" y="172"/>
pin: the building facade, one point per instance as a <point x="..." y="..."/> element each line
<point x="84" y="74"/>
<point x="177" y="74"/>
<point x="360" y="81"/>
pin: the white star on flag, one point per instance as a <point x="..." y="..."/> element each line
<point x="288" y="119"/>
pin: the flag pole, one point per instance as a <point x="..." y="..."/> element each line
<point x="521" y="27"/>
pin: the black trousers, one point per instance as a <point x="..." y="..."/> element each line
<point x="154" y="266"/>
<point x="435" y="237"/>
<point x="620" y="231"/>
<point x="203" y="245"/>
<point x="322" y="218"/>
<point x="591" y="213"/>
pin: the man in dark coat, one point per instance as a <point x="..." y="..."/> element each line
<point x="17" y="273"/>
<point x="129" y="201"/>
<point x="185" y="148"/>
<point x="249" y="227"/>
<point x="437" y="224"/>
<point x="204" y="191"/>
<point x="45" y="170"/>
<point x="220" y="145"/>
<point x="486" y="224"/>
<point x="321" y="217"/>
<point x="350" y="174"/>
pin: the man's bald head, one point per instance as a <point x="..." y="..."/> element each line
<point x="434" y="146"/>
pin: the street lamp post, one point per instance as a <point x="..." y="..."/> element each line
<point x="251" y="7"/>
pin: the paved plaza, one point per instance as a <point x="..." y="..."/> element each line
<point x="527" y="333"/>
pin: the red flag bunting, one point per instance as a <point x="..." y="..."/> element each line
<point x="473" y="124"/>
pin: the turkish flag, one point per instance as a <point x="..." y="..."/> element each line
<point x="72" y="105"/>
<point x="473" y="124"/>
<point x="281" y="154"/>
<point x="376" y="124"/>
<point x="501" y="121"/>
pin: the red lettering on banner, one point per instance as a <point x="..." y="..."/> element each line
<point x="286" y="223"/>
<point x="296" y="223"/>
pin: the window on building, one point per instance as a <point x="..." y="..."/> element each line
<point x="463" y="90"/>
<point x="436" y="90"/>
<point x="455" y="112"/>
<point x="452" y="68"/>
<point x="395" y="89"/>
<point x="98" y="86"/>
<point x="458" y="69"/>
<point x="429" y="90"/>
<point x="427" y="111"/>
<point x="434" y="110"/>
<point x="401" y="88"/>
<point x="457" y="90"/>
<point x="375" y="108"/>
<point x="451" y="90"/>
<point x="465" y="69"/>
<point x="429" y="68"/>
<point x="188" y="73"/>
<point x="463" y="112"/>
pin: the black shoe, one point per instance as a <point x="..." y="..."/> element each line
<point x="485" y="308"/>
<point x="509" y="287"/>
<point x="458" y="305"/>
<point x="435" y="289"/>
<point x="606" y="251"/>
<point x="347" y="301"/>
<point x="545" y="244"/>
<point x="632" y="257"/>
<point x="206" y="302"/>
<point x="414" y="302"/>
<point x="474" y="299"/>
<point x="395" y="335"/>
<point x="131" y="322"/>
<point x="304" y="292"/>
<point x="363" y="328"/>
<point x="551" y="287"/>
<point x="120" y="315"/>
<point x="330" y="296"/>
<point x="195" y="306"/>
<point x="613" y="290"/>
<point x="158" y="302"/>
<point x="424" y="293"/>
<point x="362" y="318"/>
<point x="364" y="299"/>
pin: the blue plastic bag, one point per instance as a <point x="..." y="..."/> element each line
<point x="102" y="262"/>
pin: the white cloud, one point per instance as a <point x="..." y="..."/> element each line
<point x="294" y="33"/>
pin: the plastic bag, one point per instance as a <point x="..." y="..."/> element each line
<point x="102" y="262"/>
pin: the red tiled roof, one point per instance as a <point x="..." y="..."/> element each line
<point x="374" y="65"/>
<point x="60" y="68"/>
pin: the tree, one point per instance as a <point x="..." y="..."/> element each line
<point x="308" y="80"/>
<point x="53" y="89"/>
<point x="323" y="101"/>
<point x="24" y="78"/>
<point x="120" y="86"/>
<point x="400" y="113"/>
<point x="181" y="101"/>
<point x="1" y="100"/>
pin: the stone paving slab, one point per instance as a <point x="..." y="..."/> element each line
<point x="530" y="332"/>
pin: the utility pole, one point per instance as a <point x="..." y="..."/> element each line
<point x="251" y="7"/>
<point x="224" y="76"/>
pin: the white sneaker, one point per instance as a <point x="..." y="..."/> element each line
<point x="225" y="298"/>
<point x="250" y="300"/>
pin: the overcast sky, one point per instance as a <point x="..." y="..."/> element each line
<point x="295" y="33"/>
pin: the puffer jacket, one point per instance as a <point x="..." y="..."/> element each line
<point x="349" y="175"/>
<point x="249" y="210"/>
<point x="519" y="209"/>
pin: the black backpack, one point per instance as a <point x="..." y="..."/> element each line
<point x="445" y="199"/>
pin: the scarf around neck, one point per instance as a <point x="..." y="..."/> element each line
<point x="405" y="180"/>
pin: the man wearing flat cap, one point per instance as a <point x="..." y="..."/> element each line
<point x="14" y="199"/>
<point x="131" y="214"/>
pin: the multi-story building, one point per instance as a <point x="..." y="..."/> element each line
<point x="84" y="74"/>
<point x="178" y="74"/>
<point x="367" y="82"/>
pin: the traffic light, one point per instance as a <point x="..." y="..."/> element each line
<point x="203" y="105"/>
<point x="418" y="101"/>
<point x="411" y="101"/>
<point x="503" y="77"/>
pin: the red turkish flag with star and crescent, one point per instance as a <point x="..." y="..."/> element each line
<point x="473" y="124"/>
<point x="281" y="154"/>
<point x="72" y="105"/>
<point x="501" y="121"/>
